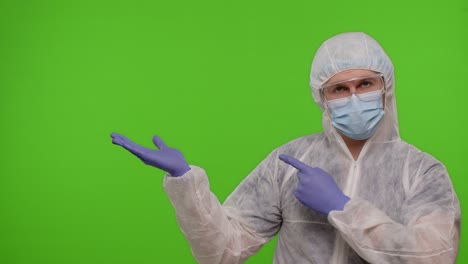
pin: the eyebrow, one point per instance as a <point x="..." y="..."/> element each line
<point x="360" y="78"/>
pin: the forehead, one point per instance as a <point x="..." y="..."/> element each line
<point x="349" y="74"/>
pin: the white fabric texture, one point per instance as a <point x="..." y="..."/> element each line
<point x="403" y="208"/>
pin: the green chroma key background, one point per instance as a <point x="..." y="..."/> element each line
<point x="224" y="81"/>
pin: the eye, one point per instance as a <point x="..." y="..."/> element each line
<point x="366" y="84"/>
<point x="339" y="89"/>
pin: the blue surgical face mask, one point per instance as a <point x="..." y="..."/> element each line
<point x="357" y="118"/>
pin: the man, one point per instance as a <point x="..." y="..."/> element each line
<point x="355" y="193"/>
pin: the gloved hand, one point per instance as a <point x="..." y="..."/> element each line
<point x="316" y="189"/>
<point x="168" y="159"/>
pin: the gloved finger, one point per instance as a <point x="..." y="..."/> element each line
<point x="159" y="143"/>
<point x="293" y="162"/>
<point x="121" y="140"/>
<point x="118" y="139"/>
<point x="134" y="148"/>
<point x="127" y="144"/>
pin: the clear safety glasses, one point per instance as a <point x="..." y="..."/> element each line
<point x="365" y="88"/>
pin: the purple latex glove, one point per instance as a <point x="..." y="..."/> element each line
<point x="316" y="189"/>
<point x="168" y="159"/>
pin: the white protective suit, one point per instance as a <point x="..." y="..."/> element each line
<point x="403" y="208"/>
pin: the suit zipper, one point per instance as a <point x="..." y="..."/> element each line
<point x="339" y="254"/>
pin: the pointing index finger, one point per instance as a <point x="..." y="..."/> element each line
<point x="293" y="162"/>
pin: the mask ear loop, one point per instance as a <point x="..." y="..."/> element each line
<point x="384" y="93"/>
<point x="326" y="108"/>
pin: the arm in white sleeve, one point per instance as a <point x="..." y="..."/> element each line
<point x="218" y="234"/>
<point x="427" y="230"/>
